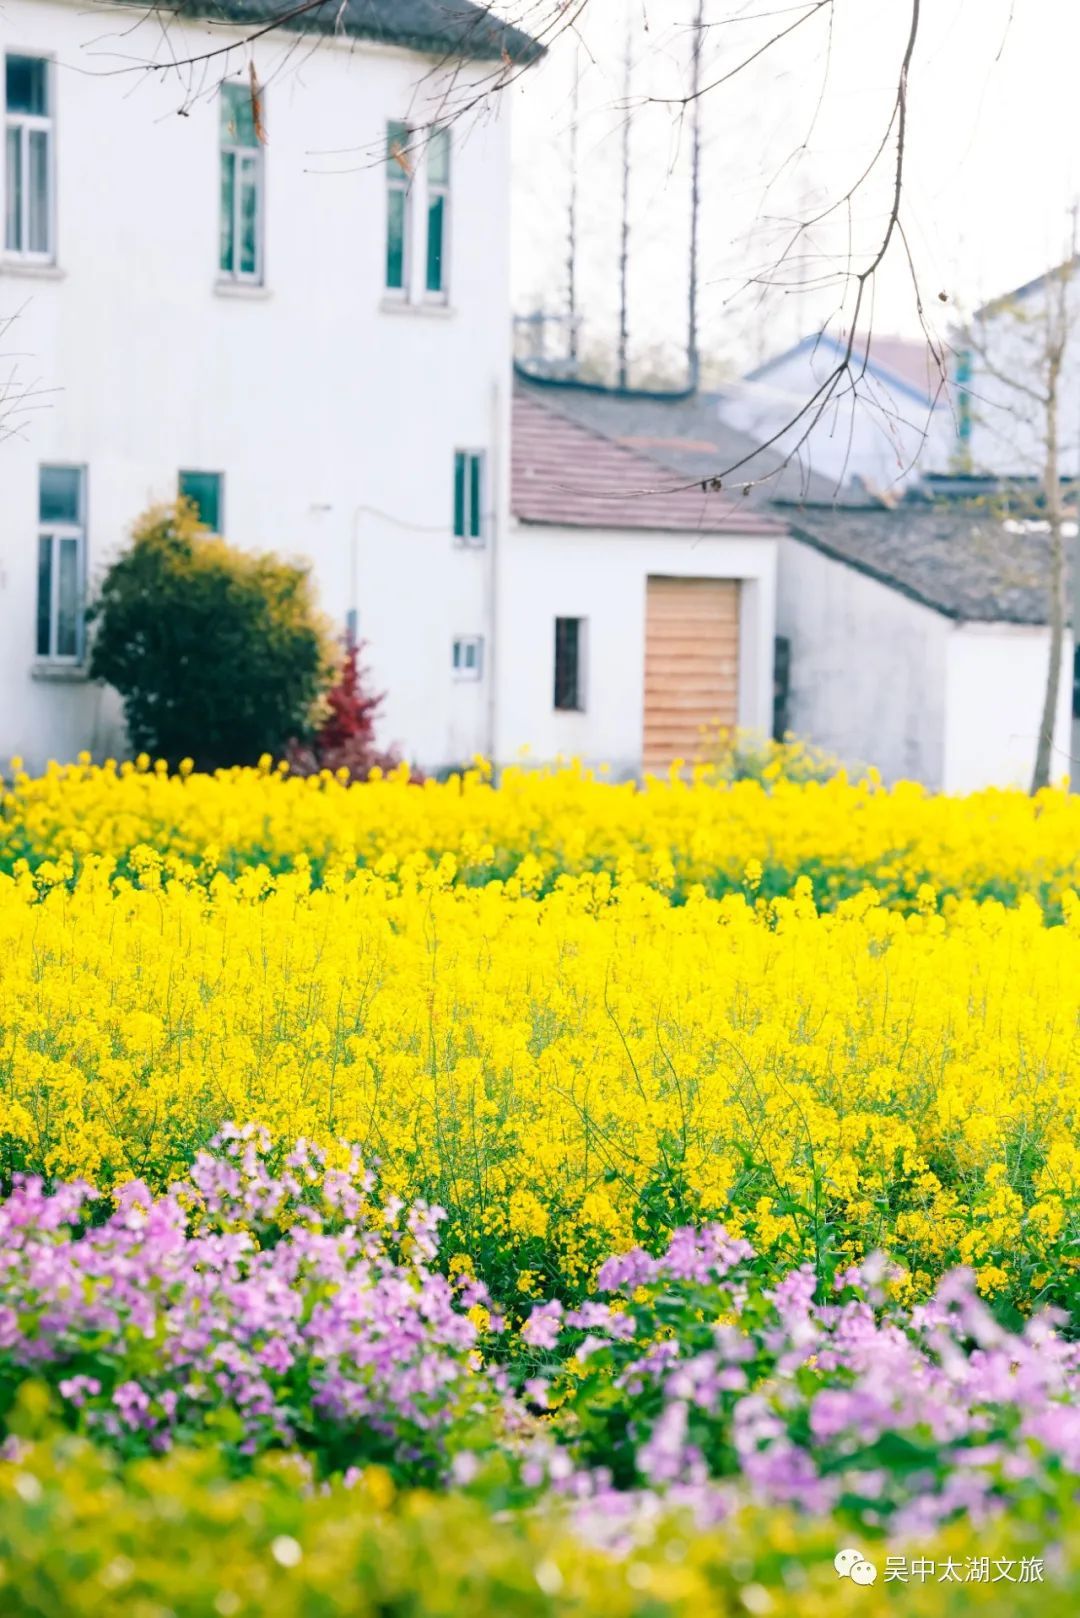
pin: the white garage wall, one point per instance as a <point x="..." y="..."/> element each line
<point x="601" y="576"/>
<point x="996" y="677"/>
<point x="868" y="667"/>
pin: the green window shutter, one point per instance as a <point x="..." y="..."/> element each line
<point x="459" y="494"/>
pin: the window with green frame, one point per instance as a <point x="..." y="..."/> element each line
<point x="438" y="209"/>
<point x="241" y="209"/>
<point x="205" y="490"/>
<point x="397" y="206"/>
<point x="469" y="496"/>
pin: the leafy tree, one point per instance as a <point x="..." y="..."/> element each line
<point x="218" y="654"/>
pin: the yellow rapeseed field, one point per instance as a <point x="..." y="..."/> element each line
<point x="572" y="1013"/>
<point x="842" y="833"/>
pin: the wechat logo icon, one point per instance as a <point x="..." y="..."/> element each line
<point x="852" y="1564"/>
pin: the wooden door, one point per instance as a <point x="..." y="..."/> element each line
<point x="691" y="665"/>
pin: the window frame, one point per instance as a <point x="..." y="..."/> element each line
<point x="462" y="670"/>
<point x="578" y="704"/>
<point x="439" y="189"/>
<point x="468" y="459"/>
<point x="399" y="182"/>
<point x="201" y="472"/>
<point x="26" y="123"/>
<point x="241" y="154"/>
<point x="56" y="532"/>
<point x="412" y="181"/>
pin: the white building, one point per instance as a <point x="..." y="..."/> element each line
<point x="636" y="610"/>
<point x="879" y="425"/>
<point x="1000" y="371"/>
<point x="916" y="640"/>
<point x="295" y="308"/>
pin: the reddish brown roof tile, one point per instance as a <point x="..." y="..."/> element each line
<point x="570" y="476"/>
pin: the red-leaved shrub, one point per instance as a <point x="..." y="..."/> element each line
<point x="345" y="739"/>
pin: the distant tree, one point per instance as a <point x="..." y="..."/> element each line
<point x="219" y="654"/>
<point x="344" y="738"/>
<point x="1016" y="349"/>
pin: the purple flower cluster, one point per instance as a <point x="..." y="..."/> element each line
<point x="712" y="1378"/>
<point x="255" y="1306"/>
<point x="271" y="1308"/>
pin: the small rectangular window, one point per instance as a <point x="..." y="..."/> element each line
<point x="781" y="686"/>
<point x="61" y="563"/>
<point x="28" y="158"/>
<point x="438" y="210"/>
<point x="206" y="492"/>
<point x="398" y="175"/>
<point x="569" y="681"/>
<point x="468" y="657"/>
<point x="241" y="201"/>
<point x="469" y="496"/>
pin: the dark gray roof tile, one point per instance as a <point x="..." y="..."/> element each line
<point x="969" y="565"/>
<point x="440" y="27"/>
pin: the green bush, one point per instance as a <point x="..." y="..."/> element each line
<point x="218" y="654"/>
<point x="86" y="1535"/>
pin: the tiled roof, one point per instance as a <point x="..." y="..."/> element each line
<point x="455" y="28"/>
<point x="968" y="565"/>
<point x="688" y="436"/>
<point x="569" y="475"/>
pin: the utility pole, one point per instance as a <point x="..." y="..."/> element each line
<point x="693" y="356"/>
<point x="624" y="234"/>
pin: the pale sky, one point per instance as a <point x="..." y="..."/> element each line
<point x="992" y="161"/>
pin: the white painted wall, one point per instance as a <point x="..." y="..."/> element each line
<point x="883" y="434"/>
<point x="995" y="681"/>
<point x="868" y="667"/>
<point x="1007" y="433"/>
<point x="601" y="576"/>
<point x="877" y="678"/>
<point x="333" y="414"/>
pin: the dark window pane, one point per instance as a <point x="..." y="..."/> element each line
<point x="249" y="216"/>
<point x="60" y="494"/>
<point x="436" y="221"/>
<point x="397" y="146"/>
<point x="395" y="238"/>
<point x="37" y="229"/>
<point x="475" y="463"/>
<point x="459" y="495"/>
<point x="44" y="599"/>
<point x="438" y="157"/>
<point x="13" y="191"/>
<point x="28" y="85"/>
<point x="228" y="183"/>
<point x="67" y="600"/>
<point x="237" y="116"/>
<point x="204" y="490"/>
<point x="567" y="663"/>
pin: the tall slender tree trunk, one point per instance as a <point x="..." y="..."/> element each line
<point x="1055" y="517"/>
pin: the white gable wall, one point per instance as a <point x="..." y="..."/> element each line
<point x="868" y="667"/>
<point x="333" y="414"/>
<point x="601" y="576"/>
<point x="995" y="682"/>
<point x="877" y="678"/>
<point x="878" y="436"/>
